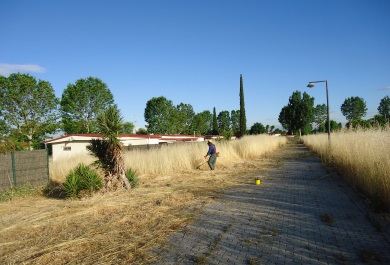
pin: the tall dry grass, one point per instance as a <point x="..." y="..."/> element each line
<point x="363" y="158"/>
<point x="120" y="227"/>
<point x="59" y="169"/>
<point x="188" y="156"/>
<point x="183" y="157"/>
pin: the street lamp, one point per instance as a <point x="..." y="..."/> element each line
<point x="310" y="85"/>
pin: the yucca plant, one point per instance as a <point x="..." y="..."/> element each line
<point x="90" y="180"/>
<point x="109" y="149"/>
<point x="132" y="177"/>
<point x="72" y="185"/>
<point x="82" y="178"/>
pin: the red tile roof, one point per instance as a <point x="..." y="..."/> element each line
<point x="143" y="136"/>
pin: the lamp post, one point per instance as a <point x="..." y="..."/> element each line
<point x="310" y="85"/>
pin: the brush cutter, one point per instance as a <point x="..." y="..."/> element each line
<point x="202" y="164"/>
<point x="217" y="153"/>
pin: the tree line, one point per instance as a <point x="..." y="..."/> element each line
<point x="300" y="116"/>
<point x="30" y="111"/>
<point x="163" y="117"/>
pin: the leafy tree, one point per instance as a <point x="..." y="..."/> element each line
<point x="320" y="116"/>
<point x="28" y="107"/>
<point x="334" y="126"/>
<point x="235" y="121"/>
<point x="353" y="108"/>
<point x="185" y="114"/>
<point x="109" y="150"/>
<point x="224" y="120"/>
<point x="378" y="120"/>
<point x="277" y="130"/>
<point x="127" y="128"/>
<point x="9" y="145"/>
<point x="257" y="128"/>
<point x="284" y="119"/>
<point x="202" y="122"/>
<point x="298" y="115"/>
<point x="267" y="128"/>
<point x="81" y="103"/>
<point x="4" y="130"/>
<point x="272" y="128"/>
<point x="242" y="108"/>
<point x="141" y="131"/>
<point x="161" y="114"/>
<point x="215" y="123"/>
<point x="384" y="108"/>
<point x="227" y="135"/>
<point x="359" y="124"/>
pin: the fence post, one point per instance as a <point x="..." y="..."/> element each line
<point x="13" y="168"/>
<point x="47" y="165"/>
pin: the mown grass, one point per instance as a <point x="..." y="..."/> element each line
<point x="20" y="192"/>
<point x="120" y="227"/>
<point x="362" y="157"/>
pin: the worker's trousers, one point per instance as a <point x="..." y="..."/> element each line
<point x="212" y="160"/>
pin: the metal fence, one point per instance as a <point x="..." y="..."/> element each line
<point x="24" y="168"/>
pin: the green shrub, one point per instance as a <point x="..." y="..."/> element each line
<point x="72" y="185"/>
<point x="132" y="177"/>
<point x="90" y="181"/>
<point x="82" y="178"/>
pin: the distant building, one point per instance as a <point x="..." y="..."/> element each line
<point x="72" y="144"/>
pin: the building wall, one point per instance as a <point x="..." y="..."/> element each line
<point x="68" y="149"/>
<point x="143" y="141"/>
<point x="63" y="150"/>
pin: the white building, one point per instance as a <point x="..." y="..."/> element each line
<point x="72" y="144"/>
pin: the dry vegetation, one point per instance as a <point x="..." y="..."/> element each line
<point x="362" y="157"/>
<point x="119" y="228"/>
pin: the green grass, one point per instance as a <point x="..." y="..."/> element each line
<point x="19" y="192"/>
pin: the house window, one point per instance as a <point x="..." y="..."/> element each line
<point x="67" y="148"/>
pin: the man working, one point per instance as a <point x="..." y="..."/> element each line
<point x="212" y="152"/>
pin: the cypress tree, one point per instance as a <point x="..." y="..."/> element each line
<point x="215" y="123"/>
<point x="242" y="109"/>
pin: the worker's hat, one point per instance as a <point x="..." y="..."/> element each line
<point x="210" y="141"/>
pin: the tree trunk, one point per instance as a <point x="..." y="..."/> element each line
<point x="120" y="170"/>
<point x="125" y="181"/>
<point x="30" y="143"/>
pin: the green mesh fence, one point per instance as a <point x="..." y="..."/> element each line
<point x="23" y="168"/>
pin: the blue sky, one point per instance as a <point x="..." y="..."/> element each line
<point x="193" y="52"/>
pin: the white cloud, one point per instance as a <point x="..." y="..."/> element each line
<point x="6" y="69"/>
<point x="384" y="88"/>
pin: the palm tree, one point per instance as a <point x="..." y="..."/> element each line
<point x="109" y="150"/>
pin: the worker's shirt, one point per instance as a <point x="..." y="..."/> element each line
<point x="212" y="150"/>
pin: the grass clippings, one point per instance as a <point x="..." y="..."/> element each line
<point x="119" y="227"/>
